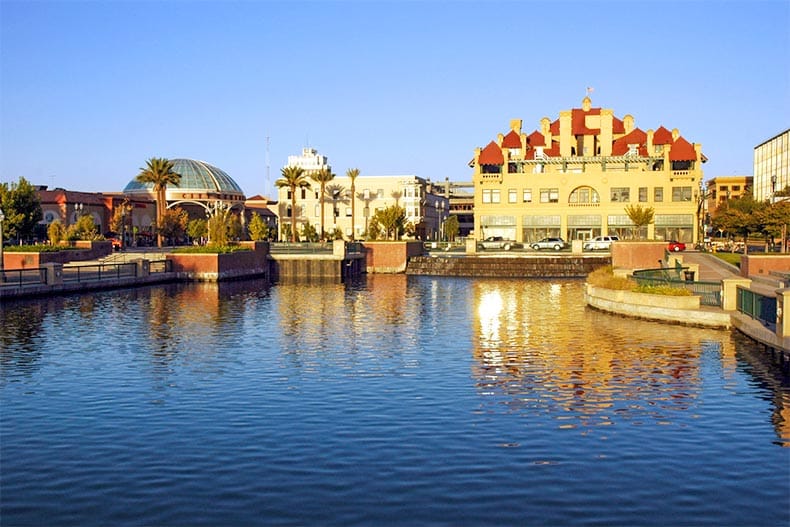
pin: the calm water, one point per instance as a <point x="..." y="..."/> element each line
<point x="395" y="400"/>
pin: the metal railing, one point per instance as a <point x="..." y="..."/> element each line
<point x="300" y="248"/>
<point x="759" y="307"/>
<point x="682" y="278"/>
<point x="23" y="277"/>
<point x="160" y="266"/>
<point x="92" y="272"/>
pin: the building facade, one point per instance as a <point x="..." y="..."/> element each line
<point x="461" y="198"/>
<point x="425" y="210"/>
<point x="772" y="166"/>
<point x="720" y="189"/>
<point x="574" y="177"/>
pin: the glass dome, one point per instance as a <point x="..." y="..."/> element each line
<point x="196" y="176"/>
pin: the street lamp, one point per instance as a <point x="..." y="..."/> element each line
<point x="78" y="211"/>
<point x="773" y="188"/>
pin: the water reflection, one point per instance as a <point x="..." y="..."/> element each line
<point x="539" y="352"/>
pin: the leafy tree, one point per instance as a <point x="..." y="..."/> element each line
<point x="774" y="220"/>
<point x="286" y="233"/>
<point x="56" y="232"/>
<point x="219" y="227"/>
<point x="197" y="229"/>
<point x="293" y="178"/>
<point x="322" y="177"/>
<point x="451" y="227"/>
<point x="235" y="230"/>
<point x="258" y="229"/>
<point x="336" y="234"/>
<point x="353" y="174"/>
<point x="173" y="224"/>
<point x="83" y="229"/>
<point x="309" y="233"/>
<point x="391" y="220"/>
<point x="21" y="206"/>
<point x="159" y="172"/>
<point x="739" y="216"/>
<point x="640" y="216"/>
<point x="783" y="193"/>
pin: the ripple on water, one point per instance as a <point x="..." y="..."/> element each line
<point x="391" y="400"/>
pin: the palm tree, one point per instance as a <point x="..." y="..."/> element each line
<point x="159" y="172"/>
<point x="322" y="177"/>
<point x="352" y="174"/>
<point x="293" y="178"/>
<point x="336" y="194"/>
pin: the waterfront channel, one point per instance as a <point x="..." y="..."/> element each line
<point x="388" y="400"/>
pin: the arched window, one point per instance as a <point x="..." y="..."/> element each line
<point x="584" y="195"/>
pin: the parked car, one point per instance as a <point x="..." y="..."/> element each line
<point x="676" y="246"/>
<point x="603" y="243"/>
<point x="556" y="244"/>
<point x="498" y="242"/>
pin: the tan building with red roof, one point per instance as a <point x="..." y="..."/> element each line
<point x="575" y="176"/>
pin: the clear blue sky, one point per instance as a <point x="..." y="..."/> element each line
<point x="90" y="90"/>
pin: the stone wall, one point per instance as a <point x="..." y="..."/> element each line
<point x="390" y="257"/>
<point x="637" y="254"/>
<point x="565" y="266"/>
<point x="755" y="265"/>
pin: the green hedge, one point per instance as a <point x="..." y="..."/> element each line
<point x="37" y="248"/>
<point x="211" y="249"/>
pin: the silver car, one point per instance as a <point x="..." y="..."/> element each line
<point x="603" y="243"/>
<point x="556" y="244"/>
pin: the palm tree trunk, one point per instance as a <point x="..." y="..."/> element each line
<point x="321" y="201"/>
<point x="353" y="200"/>
<point x="293" y="214"/>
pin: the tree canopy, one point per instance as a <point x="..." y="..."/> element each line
<point x="293" y="178"/>
<point x="159" y="172"/>
<point x="21" y="207"/>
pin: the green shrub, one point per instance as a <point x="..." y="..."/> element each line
<point x="604" y="277"/>
<point x="211" y="249"/>
<point x="36" y="248"/>
<point x="662" y="290"/>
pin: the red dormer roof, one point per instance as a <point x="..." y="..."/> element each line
<point x="636" y="137"/>
<point x="491" y="155"/>
<point x="554" y="151"/>
<point x="617" y="126"/>
<point x="682" y="150"/>
<point x="662" y="136"/>
<point x="536" y="139"/>
<point x="511" y="140"/>
<point x="578" y="121"/>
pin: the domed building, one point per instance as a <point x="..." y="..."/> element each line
<point x="201" y="184"/>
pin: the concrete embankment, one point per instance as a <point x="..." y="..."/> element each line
<point x="501" y="266"/>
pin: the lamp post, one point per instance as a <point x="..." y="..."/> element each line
<point x="773" y="188"/>
<point x="2" y="269"/>
<point x="78" y="211"/>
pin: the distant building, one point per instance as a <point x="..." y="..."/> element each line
<point x="574" y="177"/>
<point x="772" y="166"/>
<point x="266" y="209"/>
<point x="461" y="196"/>
<point x="723" y="188"/>
<point x="424" y="209"/>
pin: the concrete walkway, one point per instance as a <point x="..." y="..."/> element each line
<point x="715" y="269"/>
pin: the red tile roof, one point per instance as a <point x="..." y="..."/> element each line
<point x="578" y="124"/>
<point x="554" y="151"/>
<point x="491" y="155"/>
<point x="682" y="150"/>
<point x="662" y="136"/>
<point x="617" y="126"/>
<point x="636" y="137"/>
<point x="511" y="140"/>
<point x="536" y="139"/>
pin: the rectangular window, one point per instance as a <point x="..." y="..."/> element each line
<point x="642" y="194"/>
<point x="527" y="195"/>
<point x="724" y="188"/>
<point x="658" y="194"/>
<point x="366" y="194"/>
<point x="681" y="193"/>
<point x="512" y="195"/>
<point x="487" y="196"/>
<point x="736" y="187"/>
<point x="304" y="193"/>
<point x="380" y="193"/>
<point x="317" y="211"/>
<point x="348" y="212"/>
<point x="621" y="194"/>
<point x="549" y="195"/>
<point x="495" y="196"/>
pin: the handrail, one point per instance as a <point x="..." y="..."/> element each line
<point x="756" y="306"/>
<point x="710" y="293"/>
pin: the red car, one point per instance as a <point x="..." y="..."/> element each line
<point x="676" y="246"/>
